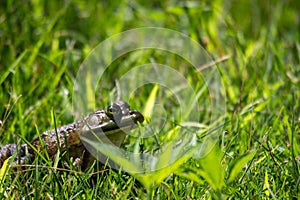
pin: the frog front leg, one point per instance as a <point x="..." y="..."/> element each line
<point x="80" y="158"/>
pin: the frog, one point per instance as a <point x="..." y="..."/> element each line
<point x="111" y="123"/>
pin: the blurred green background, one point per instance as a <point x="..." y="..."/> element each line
<point x="43" y="43"/>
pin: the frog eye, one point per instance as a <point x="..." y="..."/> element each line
<point x="114" y="112"/>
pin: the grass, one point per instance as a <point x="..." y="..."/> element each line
<point x="257" y="154"/>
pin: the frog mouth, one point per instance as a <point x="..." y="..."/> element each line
<point x="127" y="123"/>
<point x="111" y="131"/>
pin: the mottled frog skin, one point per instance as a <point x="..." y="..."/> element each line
<point x="112" y="122"/>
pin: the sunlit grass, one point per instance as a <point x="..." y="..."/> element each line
<point x="252" y="150"/>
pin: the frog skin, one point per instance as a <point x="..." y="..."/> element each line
<point x="113" y="122"/>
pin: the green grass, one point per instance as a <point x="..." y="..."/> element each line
<point x="257" y="155"/>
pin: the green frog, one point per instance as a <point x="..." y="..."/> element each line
<point x="111" y="123"/>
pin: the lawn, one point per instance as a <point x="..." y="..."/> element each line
<point x="217" y="81"/>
